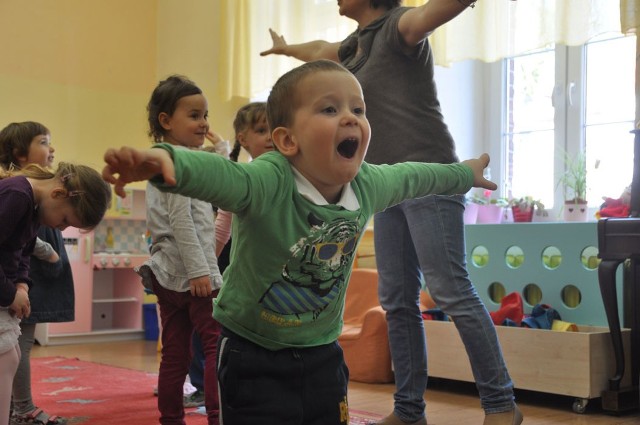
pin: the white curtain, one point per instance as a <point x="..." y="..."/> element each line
<point x="629" y="16"/>
<point x="496" y="29"/>
<point x="629" y="22"/>
<point x="492" y="30"/>
<point x="243" y="72"/>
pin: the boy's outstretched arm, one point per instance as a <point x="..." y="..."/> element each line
<point x="126" y="165"/>
<point x="478" y="165"/>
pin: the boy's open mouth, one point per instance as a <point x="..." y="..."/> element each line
<point x="348" y="148"/>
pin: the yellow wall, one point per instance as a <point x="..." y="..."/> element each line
<point x="188" y="43"/>
<point x="86" y="68"/>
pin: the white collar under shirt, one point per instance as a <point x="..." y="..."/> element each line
<point x="347" y="200"/>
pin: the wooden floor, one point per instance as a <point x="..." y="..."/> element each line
<point x="448" y="402"/>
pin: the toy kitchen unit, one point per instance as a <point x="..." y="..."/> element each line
<point x="108" y="293"/>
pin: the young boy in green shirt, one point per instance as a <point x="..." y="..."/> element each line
<point x="299" y="214"/>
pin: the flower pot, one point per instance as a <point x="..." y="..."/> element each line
<point x="507" y="215"/>
<point x="543" y="217"/>
<point x="489" y="214"/>
<point x="522" y="215"/>
<point x="470" y="213"/>
<point x="575" y="211"/>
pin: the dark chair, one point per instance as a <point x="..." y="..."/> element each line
<point x="618" y="241"/>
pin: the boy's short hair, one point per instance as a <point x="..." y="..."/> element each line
<point x="281" y="103"/>
<point x="15" y="140"/>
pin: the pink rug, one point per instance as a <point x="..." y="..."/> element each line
<point x="91" y="393"/>
<point x="95" y="394"/>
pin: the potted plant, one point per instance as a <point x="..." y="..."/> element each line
<point x="574" y="183"/>
<point x="490" y="210"/>
<point x="523" y="208"/>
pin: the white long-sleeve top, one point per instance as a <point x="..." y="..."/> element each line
<point x="182" y="230"/>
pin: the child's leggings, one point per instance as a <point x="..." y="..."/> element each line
<point x="8" y="365"/>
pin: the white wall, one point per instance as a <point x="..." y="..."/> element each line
<point x="463" y="90"/>
<point x="460" y="90"/>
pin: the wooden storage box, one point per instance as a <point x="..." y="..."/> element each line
<point x="577" y="364"/>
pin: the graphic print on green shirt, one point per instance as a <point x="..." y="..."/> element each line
<point x="315" y="273"/>
<point x="291" y="257"/>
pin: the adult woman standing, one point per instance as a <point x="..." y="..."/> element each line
<point x="391" y="57"/>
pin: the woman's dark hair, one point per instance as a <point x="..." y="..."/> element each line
<point x="165" y="98"/>
<point x="387" y="4"/>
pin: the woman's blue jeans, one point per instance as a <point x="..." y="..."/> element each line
<point x="425" y="237"/>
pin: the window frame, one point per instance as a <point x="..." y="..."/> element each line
<point x="569" y="99"/>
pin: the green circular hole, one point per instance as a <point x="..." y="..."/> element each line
<point x="514" y="257"/>
<point x="496" y="292"/>
<point x="571" y="296"/>
<point x="532" y="294"/>
<point x="480" y="256"/>
<point x="551" y="257"/>
<point x="589" y="258"/>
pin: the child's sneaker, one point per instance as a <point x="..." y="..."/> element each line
<point x="195" y="399"/>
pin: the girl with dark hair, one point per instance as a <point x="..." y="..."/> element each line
<point x="183" y="270"/>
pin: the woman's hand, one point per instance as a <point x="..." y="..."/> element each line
<point x="279" y="45"/>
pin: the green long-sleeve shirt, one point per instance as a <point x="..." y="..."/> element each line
<point x="291" y="258"/>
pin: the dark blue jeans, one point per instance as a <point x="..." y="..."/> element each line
<point x="291" y="386"/>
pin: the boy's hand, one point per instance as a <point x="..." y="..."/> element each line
<point x="478" y="165"/>
<point x="127" y="165"/>
<point x="200" y="286"/>
<point x="279" y="45"/>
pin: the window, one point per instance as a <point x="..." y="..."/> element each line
<point x="567" y="100"/>
<point x="609" y="115"/>
<point x="528" y="134"/>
